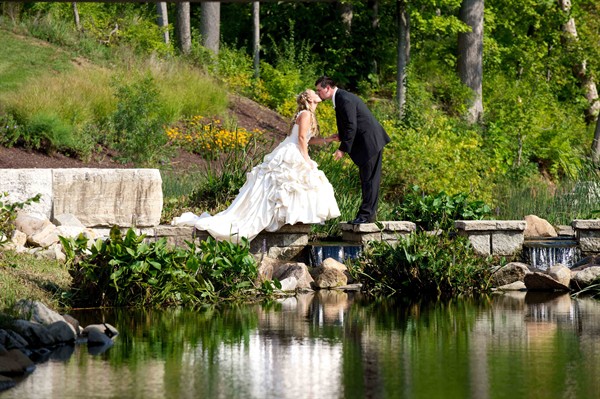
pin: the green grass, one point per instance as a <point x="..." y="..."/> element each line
<point x="24" y="276"/>
<point x="22" y="58"/>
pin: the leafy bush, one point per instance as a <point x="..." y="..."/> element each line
<point x="129" y="271"/>
<point x="422" y="265"/>
<point x="137" y="123"/>
<point x="439" y="211"/>
<point x="9" y="131"/>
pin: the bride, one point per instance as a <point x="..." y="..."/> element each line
<point x="287" y="188"/>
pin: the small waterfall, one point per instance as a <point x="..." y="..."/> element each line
<point x="545" y="253"/>
<point x="337" y="251"/>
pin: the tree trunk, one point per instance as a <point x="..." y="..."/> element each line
<point x="76" y="16"/>
<point x="470" y="54"/>
<point x="596" y="143"/>
<point x="375" y="23"/>
<point x="403" y="54"/>
<point x="182" y="28"/>
<point x="346" y="15"/>
<point x="580" y="69"/>
<point x="210" y="23"/>
<point x="163" y="19"/>
<point x="256" y="41"/>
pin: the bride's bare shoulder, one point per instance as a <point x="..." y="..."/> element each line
<point x="302" y="116"/>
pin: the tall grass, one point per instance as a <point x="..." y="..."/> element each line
<point x="561" y="203"/>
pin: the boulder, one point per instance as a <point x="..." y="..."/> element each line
<point x="14" y="362"/>
<point x="36" y="311"/>
<point x="99" y="334"/>
<point x="560" y="273"/>
<point x="35" y="334"/>
<point x="538" y="227"/>
<point x="330" y="278"/>
<point x="509" y="273"/>
<point x="586" y="277"/>
<point x="537" y="281"/>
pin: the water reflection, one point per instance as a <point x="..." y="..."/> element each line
<point x="339" y="345"/>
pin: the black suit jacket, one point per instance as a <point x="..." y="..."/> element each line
<point x="361" y="135"/>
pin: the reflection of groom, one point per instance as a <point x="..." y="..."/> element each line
<point x="363" y="138"/>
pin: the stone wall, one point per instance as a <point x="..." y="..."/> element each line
<point x="97" y="197"/>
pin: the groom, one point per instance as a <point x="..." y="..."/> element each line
<point x="363" y="138"/>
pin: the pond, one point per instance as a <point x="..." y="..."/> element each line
<point x="337" y="345"/>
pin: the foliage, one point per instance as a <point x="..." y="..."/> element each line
<point x="9" y="131"/>
<point x="439" y="211"/>
<point x="422" y="265"/>
<point x="128" y="270"/>
<point x="8" y="214"/>
<point x="207" y="137"/>
<point x="137" y="124"/>
<point x="224" y="177"/>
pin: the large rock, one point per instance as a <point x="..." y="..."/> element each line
<point x="14" y="362"/>
<point x="537" y="281"/>
<point x="538" y="227"/>
<point x="36" y="311"/>
<point x="560" y="273"/>
<point x="107" y="197"/>
<point x="296" y="272"/>
<point x="586" y="277"/>
<point x="510" y="273"/>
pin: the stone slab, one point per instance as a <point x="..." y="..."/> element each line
<point x="22" y="184"/>
<point x="490" y="225"/>
<point x="108" y="197"/>
<point x="393" y="226"/>
<point x="588" y="224"/>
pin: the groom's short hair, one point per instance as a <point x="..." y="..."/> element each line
<point x="325" y="81"/>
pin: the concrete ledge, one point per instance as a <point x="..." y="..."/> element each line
<point x="493" y="237"/>
<point x="286" y="243"/>
<point x="490" y="225"/>
<point x="389" y="231"/>
<point x="587" y="233"/>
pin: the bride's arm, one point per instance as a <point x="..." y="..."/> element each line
<point x="303" y="122"/>
<point x="323" y="140"/>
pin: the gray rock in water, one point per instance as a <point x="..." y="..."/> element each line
<point x="510" y="273"/>
<point x="100" y="334"/>
<point x="537" y="281"/>
<point x="586" y="277"/>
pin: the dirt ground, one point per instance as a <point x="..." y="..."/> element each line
<point x="249" y="114"/>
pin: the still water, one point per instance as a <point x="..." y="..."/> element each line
<point x="338" y="345"/>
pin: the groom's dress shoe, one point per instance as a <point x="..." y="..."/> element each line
<point x="359" y="220"/>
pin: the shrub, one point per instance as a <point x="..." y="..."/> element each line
<point x="422" y="265"/>
<point x="127" y="270"/>
<point x="137" y="124"/>
<point x="439" y="211"/>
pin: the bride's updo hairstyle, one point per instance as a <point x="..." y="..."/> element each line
<point x="304" y="104"/>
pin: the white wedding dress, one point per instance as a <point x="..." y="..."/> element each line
<point x="284" y="189"/>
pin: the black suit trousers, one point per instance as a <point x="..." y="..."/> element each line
<point x="370" y="180"/>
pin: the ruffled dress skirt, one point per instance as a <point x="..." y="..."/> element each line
<point x="284" y="189"/>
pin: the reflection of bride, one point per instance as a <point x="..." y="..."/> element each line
<point x="287" y="188"/>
